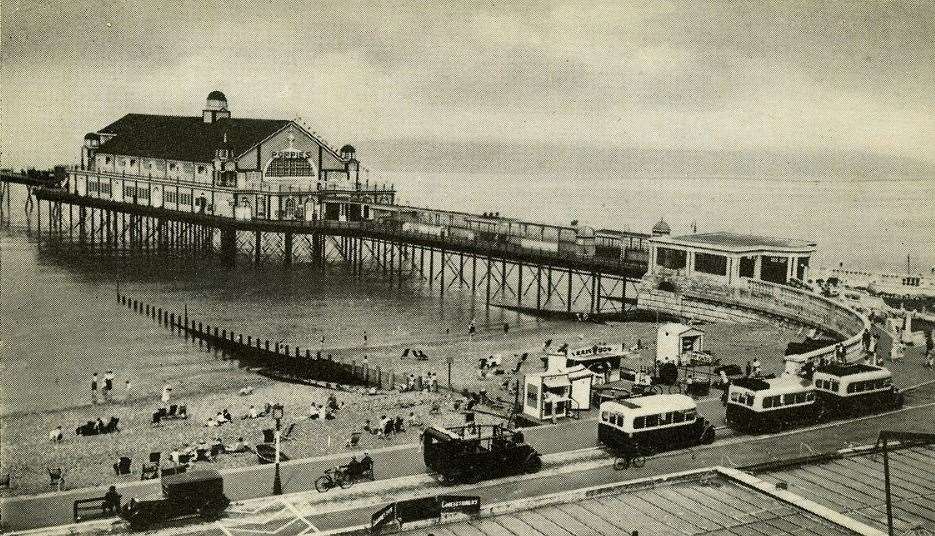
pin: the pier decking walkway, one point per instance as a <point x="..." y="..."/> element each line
<point x="365" y="229"/>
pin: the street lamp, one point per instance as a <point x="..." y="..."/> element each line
<point x="277" y="479"/>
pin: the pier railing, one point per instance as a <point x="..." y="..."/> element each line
<point x="279" y="361"/>
<point x="388" y="230"/>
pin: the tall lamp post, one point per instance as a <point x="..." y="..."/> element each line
<point x="277" y="479"/>
<point x="917" y="438"/>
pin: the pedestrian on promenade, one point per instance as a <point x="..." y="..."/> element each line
<point x="930" y="360"/>
<point x="111" y="501"/>
<point x="865" y="339"/>
<point x="756" y="366"/>
<point x="896" y="350"/>
<point x="94" y="385"/>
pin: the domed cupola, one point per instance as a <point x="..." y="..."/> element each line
<point x="348" y="152"/>
<point x="661" y="228"/>
<point x="92" y="140"/>
<point x="215" y="107"/>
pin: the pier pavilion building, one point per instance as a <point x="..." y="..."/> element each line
<point x="220" y="164"/>
<point x="730" y="258"/>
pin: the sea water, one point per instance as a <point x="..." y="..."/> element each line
<point x="60" y="321"/>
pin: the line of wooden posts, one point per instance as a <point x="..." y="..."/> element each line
<point x="274" y="359"/>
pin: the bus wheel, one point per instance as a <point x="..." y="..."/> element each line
<point x="639" y="461"/>
<point x="533" y="463"/>
<point x="621" y="463"/>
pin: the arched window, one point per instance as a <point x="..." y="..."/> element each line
<point x="289" y="166"/>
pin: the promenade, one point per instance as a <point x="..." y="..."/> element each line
<point x="568" y="439"/>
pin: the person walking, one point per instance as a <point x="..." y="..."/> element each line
<point x="94" y="386"/>
<point x="108" y="385"/>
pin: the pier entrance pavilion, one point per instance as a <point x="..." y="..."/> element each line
<point x="730" y="258"/>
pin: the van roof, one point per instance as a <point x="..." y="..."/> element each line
<point x="650" y="405"/>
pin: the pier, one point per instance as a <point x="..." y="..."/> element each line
<point x="504" y="273"/>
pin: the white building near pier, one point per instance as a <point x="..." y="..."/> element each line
<point x="730" y="258"/>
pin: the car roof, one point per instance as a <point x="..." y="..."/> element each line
<point x="188" y="477"/>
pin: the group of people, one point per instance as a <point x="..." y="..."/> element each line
<point x="416" y="353"/>
<point x="427" y="382"/>
<point x="388" y="426"/>
<point x="221" y="418"/>
<point x="324" y="411"/>
<point x="103" y="391"/>
<point x="753" y="369"/>
<point x="94" y="427"/>
<point x="492" y="364"/>
<point x="205" y="452"/>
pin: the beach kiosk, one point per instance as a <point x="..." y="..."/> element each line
<point x="680" y="344"/>
<point x="557" y="391"/>
<point x="603" y="360"/>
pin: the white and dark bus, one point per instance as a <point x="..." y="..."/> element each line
<point x="846" y="390"/>
<point x="769" y="404"/>
<point x="648" y="424"/>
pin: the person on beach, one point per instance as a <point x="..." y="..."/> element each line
<point x="108" y="385"/>
<point x="472" y="328"/>
<point x="56" y="435"/>
<point x="365" y="339"/>
<point x="94" y="385"/>
<point x="126" y="390"/>
<point x="166" y="393"/>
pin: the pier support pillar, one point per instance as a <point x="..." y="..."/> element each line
<point x="258" y="237"/>
<point x="228" y="247"/>
<point x="287" y="249"/>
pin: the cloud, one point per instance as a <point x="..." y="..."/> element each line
<point x="796" y="74"/>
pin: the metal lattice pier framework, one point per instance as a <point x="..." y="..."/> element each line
<point x="506" y="276"/>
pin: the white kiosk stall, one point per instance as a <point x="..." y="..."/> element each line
<point x="680" y="344"/>
<point x="557" y="391"/>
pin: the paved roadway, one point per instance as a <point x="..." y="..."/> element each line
<point x="289" y="517"/>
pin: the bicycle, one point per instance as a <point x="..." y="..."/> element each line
<point x="334" y="477"/>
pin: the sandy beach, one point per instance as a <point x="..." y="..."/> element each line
<point x="88" y="461"/>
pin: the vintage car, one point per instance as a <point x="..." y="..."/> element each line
<point x="196" y="493"/>
<point x="478" y="452"/>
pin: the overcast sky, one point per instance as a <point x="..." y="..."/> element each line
<point x="737" y="75"/>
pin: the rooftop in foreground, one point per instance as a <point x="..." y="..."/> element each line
<point x="709" y="505"/>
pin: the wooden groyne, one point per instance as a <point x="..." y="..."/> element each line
<point x="275" y="360"/>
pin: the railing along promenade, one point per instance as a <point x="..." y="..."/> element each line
<point x="781" y="302"/>
<point x="389" y="230"/>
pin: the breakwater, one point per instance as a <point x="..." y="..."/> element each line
<point x="272" y="359"/>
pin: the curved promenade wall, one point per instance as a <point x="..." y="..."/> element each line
<point x="756" y="301"/>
